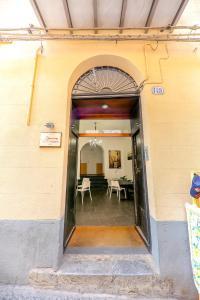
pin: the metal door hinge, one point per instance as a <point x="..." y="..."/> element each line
<point x="146" y="153"/>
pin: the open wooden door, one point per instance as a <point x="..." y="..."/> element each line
<point x="71" y="187"/>
<point x="140" y="184"/>
<point x="83" y="168"/>
<point x="99" y="168"/>
<point x="70" y="203"/>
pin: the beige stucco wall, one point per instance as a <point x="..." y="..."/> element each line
<point x="32" y="179"/>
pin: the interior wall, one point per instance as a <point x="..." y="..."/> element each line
<point x="123" y="125"/>
<point x="122" y="144"/>
<point x="91" y="156"/>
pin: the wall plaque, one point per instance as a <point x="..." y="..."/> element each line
<point x="158" y="90"/>
<point x="50" y="139"/>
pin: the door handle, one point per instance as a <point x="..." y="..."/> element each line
<point x="137" y="170"/>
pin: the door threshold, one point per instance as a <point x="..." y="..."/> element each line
<point x="106" y="250"/>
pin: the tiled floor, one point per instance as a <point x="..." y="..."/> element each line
<point x="103" y="210"/>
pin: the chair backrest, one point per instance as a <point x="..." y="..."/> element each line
<point x="86" y="184"/>
<point x="115" y="183"/>
<point x="85" y="179"/>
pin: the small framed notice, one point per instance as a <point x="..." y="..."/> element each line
<point x="50" y="139"/>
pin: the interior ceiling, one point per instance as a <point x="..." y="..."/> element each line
<point x="117" y="109"/>
<point x="93" y="13"/>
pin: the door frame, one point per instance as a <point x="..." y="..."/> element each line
<point x="73" y="130"/>
<point x="139" y="130"/>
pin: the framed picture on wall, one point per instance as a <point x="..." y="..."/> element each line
<point x="114" y="159"/>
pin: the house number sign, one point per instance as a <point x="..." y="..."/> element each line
<point x="50" y="139"/>
<point x="157" y="90"/>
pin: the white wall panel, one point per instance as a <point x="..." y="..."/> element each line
<point x="53" y="13"/>
<point x="109" y="13"/>
<point x="137" y="13"/>
<point x="165" y="12"/>
<point x="81" y="13"/>
<point x="19" y="13"/>
<point x="123" y="125"/>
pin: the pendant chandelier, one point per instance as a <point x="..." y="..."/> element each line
<point x="95" y="142"/>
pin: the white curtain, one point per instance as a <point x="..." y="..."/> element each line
<point x="193" y="218"/>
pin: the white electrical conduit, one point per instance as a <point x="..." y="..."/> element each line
<point x="161" y="28"/>
<point x="146" y="81"/>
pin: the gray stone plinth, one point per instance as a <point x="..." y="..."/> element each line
<point x="25" y="245"/>
<point x="133" y="275"/>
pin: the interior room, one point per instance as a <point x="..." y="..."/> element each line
<point x="94" y="163"/>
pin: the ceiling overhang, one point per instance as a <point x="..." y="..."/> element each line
<point x="91" y="14"/>
<point x="148" y="20"/>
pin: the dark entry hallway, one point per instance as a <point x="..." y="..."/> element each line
<point x="103" y="210"/>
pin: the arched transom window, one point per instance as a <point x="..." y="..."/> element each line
<point x="105" y="81"/>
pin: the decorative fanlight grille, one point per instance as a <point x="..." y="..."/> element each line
<point x="105" y="81"/>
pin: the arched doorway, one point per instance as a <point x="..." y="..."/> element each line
<point x="91" y="160"/>
<point x="109" y="93"/>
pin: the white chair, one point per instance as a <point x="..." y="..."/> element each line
<point x="116" y="187"/>
<point x="84" y="180"/>
<point x="109" y="186"/>
<point x="84" y="187"/>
